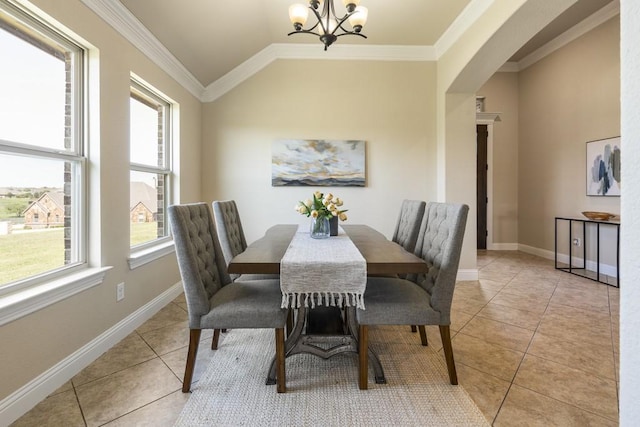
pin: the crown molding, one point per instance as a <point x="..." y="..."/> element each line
<point x="123" y="21"/>
<point x="578" y="30"/>
<point x="482" y="117"/>
<point x="239" y="74"/>
<point x="509" y="67"/>
<point x="469" y="15"/>
<point x="313" y="51"/>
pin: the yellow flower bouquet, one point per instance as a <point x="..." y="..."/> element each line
<point x="321" y="209"/>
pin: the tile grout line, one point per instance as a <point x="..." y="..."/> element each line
<point x="527" y="353"/>
<point x="84" y="419"/>
<point x="519" y="364"/>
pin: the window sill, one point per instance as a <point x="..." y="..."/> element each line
<point x="148" y="255"/>
<point x="29" y="300"/>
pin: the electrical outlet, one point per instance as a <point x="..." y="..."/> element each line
<point x="120" y="291"/>
<point x="577" y="241"/>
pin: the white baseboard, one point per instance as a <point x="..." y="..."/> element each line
<point x="543" y="253"/>
<point x="609" y="270"/>
<point x="503" y="247"/>
<point x="467" y="274"/>
<point x="25" y="398"/>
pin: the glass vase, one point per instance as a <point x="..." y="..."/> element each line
<point x="319" y="228"/>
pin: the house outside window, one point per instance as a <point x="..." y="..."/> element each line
<point x="41" y="151"/>
<point x="150" y="173"/>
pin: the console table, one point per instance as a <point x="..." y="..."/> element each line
<point x="581" y="270"/>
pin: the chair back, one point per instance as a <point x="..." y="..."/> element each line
<point x="200" y="259"/>
<point x="229" y="226"/>
<point x="408" y="225"/>
<point x="440" y="244"/>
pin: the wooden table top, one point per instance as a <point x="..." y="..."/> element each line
<point x="382" y="255"/>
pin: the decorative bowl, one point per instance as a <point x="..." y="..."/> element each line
<point x="598" y="216"/>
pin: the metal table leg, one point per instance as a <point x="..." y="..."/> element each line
<point x="299" y="343"/>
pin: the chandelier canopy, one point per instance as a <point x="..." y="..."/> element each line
<point x="329" y="26"/>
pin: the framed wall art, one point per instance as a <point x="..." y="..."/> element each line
<point x="603" y="167"/>
<point x="318" y="162"/>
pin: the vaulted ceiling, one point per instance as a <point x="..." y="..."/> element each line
<point x="212" y="38"/>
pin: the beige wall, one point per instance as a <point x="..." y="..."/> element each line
<point x="389" y="105"/>
<point x="570" y="97"/>
<point x="35" y="343"/>
<point x="469" y="62"/>
<point x="501" y="96"/>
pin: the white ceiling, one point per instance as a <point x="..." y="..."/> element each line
<point x="211" y="38"/>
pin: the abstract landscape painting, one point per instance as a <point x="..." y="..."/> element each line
<point x="603" y="167"/>
<point x="318" y="162"/>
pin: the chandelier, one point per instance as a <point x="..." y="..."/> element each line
<point x="329" y="26"/>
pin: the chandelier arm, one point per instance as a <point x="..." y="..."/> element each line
<point x="329" y="9"/>
<point x="340" y="22"/>
<point x="309" y="31"/>
<point x="351" y="33"/>
<point x="319" y="18"/>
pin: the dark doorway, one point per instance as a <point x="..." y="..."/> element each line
<point x="481" y="180"/>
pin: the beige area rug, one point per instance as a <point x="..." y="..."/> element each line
<point x="325" y="392"/>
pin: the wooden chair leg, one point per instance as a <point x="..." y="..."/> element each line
<point x="414" y="329"/>
<point x="448" y="353"/>
<point x="281" y="377"/>
<point x="423" y="335"/>
<point x="194" y="340"/>
<point x="214" y="341"/>
<point x="363" y="357"/>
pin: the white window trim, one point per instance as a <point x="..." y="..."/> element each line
<point x="27" y="301"/>
<point x="160" y="248"/>
<point x="147" y="252"/>
<point x="37" y="292"/>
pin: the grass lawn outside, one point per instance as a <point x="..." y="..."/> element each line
<point x="142" y="232"/>
<point x="29" y="253"/>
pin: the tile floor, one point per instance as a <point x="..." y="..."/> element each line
<point x="533" y="346"/>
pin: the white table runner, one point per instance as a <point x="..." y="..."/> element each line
<point x="322" y="272"/>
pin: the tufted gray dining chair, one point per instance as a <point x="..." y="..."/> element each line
<point x="408" y="225"/>
<point x="423" y="299"/>
<point x="213" y="300"/>
<point x="406" y="235"/>
<point x="231" y="235"/>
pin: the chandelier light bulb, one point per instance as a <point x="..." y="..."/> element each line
<point x="298" y="14"/>
<point x="359" y="18"/>
<point x="350" y="4"/>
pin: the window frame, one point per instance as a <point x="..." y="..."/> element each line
<point x="22" y="297"/>
<point x="145" y="252"/>
<point x="36" y="31"/>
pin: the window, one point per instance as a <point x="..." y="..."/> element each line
<point x="41" y="151"/>
<point x="150" y="142"/>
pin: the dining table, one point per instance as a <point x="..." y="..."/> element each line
<point x="367" y="252"/>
